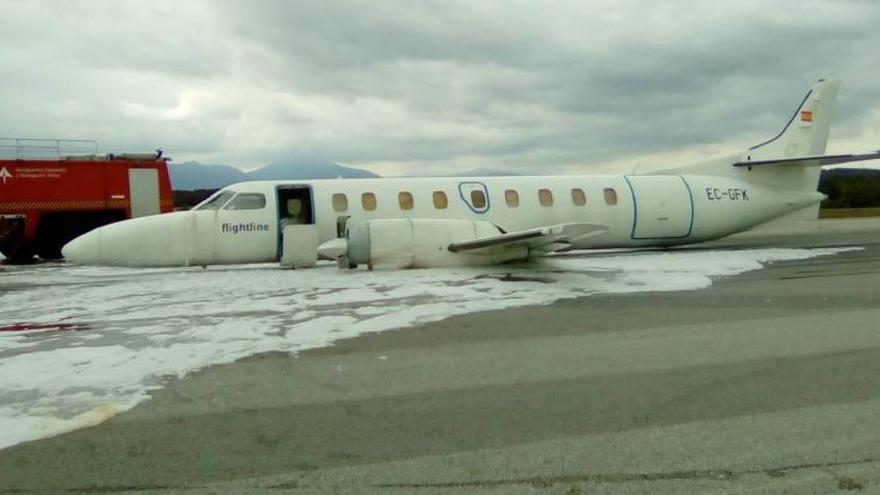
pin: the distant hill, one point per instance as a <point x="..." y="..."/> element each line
<point x="474" y="172"/>
<point x="190" y="176"/>
<point x="313" y="170"/>
<point x="485" y="172"/>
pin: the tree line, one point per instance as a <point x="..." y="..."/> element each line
<point x="850" y="188"/>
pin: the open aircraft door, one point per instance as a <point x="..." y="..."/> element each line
<point x="298" y="237"/>
<point x="663" y="207"/>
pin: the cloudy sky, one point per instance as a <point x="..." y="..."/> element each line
<point x="434" y="87"/>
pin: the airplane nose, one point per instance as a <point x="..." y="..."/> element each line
<point x="153" y="241"/>
<point x="85" y="249"/>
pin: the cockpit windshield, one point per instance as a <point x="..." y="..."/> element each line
<point x="216" y="201"/>
<point x="247" y="201"/>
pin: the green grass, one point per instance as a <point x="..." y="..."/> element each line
<point x="849" y="212"/>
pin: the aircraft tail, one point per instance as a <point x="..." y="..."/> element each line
<point x="791" y="160"/>
<point x="806" y="133"/>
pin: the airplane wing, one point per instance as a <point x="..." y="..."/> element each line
<point x="812" y="161"/>
<point x="541" y="239"/>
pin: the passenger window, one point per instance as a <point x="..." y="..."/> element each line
<point x="478" y="199"/>
<point x="368" y="201"/>
<point x="406" y="200"/>
<point x="546" y="197"/>
<point x="440" y="201"/>
<point x="610" y="196"/>
<point x="578" y="197"/>
<point x="246" y="201"/>
<point x="216" y="201"/>
<point x="340" y="202"/>
<point x="475" y="196"/>
<point x="512" y="198"/>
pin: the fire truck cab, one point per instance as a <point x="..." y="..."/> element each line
<point x="52" y="191"/>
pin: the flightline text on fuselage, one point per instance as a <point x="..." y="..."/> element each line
<point x="235" y="228"/>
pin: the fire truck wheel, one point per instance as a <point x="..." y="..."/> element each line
<point x="51" y="252"/>
<point x="19" y="253"/>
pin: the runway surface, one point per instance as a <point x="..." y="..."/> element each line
<point x="766" y="381"/>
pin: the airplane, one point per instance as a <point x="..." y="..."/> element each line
<point x="393" y="223"/>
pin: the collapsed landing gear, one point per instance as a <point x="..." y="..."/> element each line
<point x="343" y="263"/>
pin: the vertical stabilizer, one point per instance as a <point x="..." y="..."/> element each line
<point x="806" y="132"/>
<point x="804" y="136"/>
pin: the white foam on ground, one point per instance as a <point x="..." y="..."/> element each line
<point x="146" y="325"/>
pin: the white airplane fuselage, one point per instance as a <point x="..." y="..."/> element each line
<point x="649" y="210"/>
<point x="456" y="221"/>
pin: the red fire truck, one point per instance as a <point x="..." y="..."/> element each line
<point x="54" y="190"/>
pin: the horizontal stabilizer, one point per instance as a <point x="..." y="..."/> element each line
<point x="542" y="239"/>
<point x="811" y="161"/>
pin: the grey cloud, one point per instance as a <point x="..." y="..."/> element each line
<point x="520" y="84"/>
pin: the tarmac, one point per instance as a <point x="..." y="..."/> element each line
<point x="767" y="382"/>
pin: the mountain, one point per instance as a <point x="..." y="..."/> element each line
<point x="308" y="170"/>
<point x="189" y="176"/>
<point x="485" y="172"/>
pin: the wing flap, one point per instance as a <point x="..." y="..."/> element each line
<point x="544" y="239"/>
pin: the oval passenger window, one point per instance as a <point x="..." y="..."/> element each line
<point x="440" y="201"/>
<point x="610" y="196"/>
<point x="405" y="200"/>
<point x="340" y="202"/>
<point x="368" y="201"/>
<point x="546" y="197"/>
<point x="512" y="198"/>
<point x="478" y="199"/>
<point x="475" y="195"/>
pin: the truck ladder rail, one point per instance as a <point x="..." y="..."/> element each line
<point x="20" y="148"/>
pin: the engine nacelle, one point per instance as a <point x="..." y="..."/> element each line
<point x="423" y="243"/>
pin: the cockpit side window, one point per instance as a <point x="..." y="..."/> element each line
<point x="216" y="201"/>
<point x="247" y="201"/>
